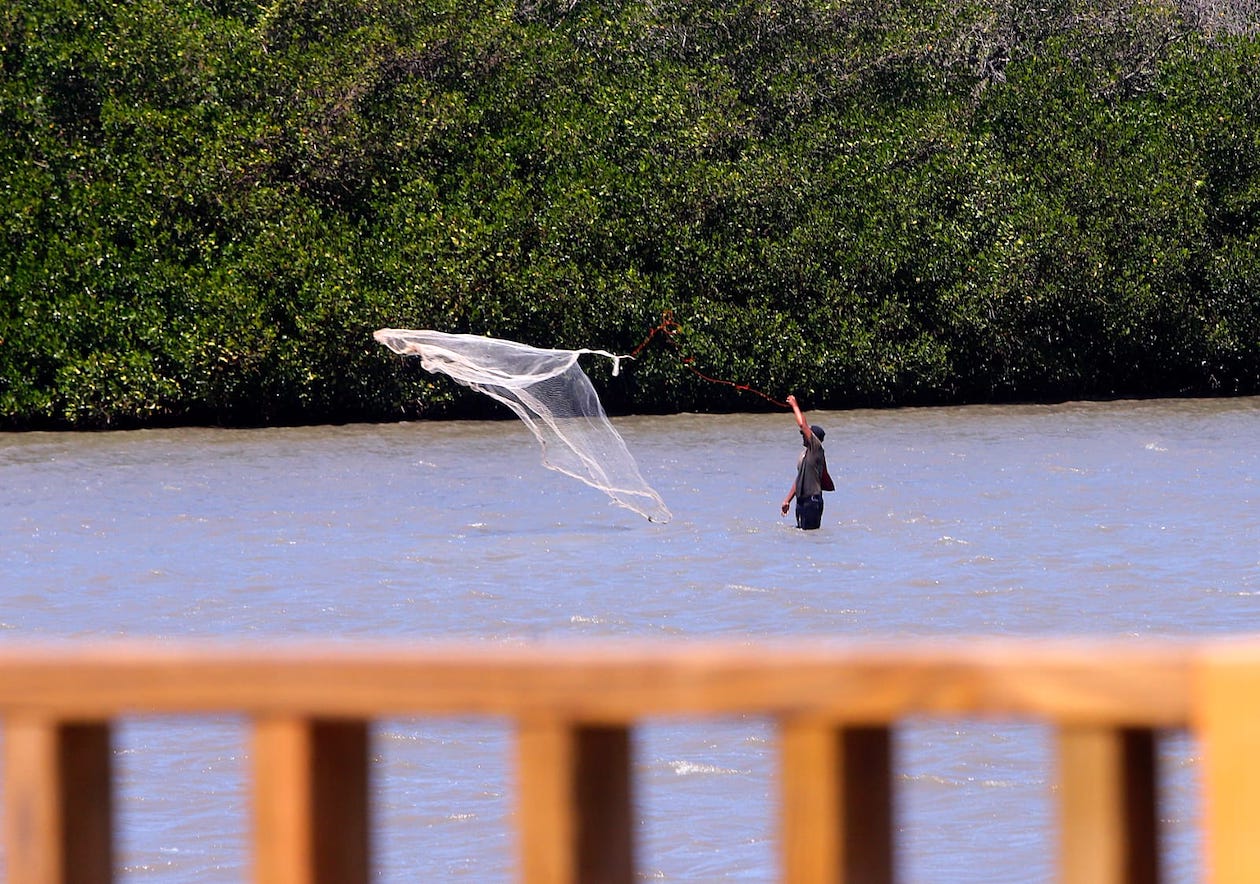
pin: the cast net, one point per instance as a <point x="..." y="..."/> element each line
<point x="553" y="396"/>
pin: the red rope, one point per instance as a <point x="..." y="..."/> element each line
<point x="667" y="327"/>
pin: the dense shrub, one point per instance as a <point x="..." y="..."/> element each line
<point x="210" y="204"/>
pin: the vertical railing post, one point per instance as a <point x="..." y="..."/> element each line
<point x="1107" y="805"/>
<point x="311" y="801"/>
<point x="1228" y="725"/>
<point x="58" y="801"/>
<point x="836" y="783"/>
<point x="576" y="804"/>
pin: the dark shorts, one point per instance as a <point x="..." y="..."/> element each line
<point x="809" y="512"/>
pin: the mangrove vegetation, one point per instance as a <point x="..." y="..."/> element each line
<point x="208" y="205"/>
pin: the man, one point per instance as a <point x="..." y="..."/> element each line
<point x="811" y="474"/>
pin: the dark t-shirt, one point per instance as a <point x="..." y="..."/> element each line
<point x="809" y="469"/>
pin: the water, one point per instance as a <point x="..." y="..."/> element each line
<point x="1120" y="519"/>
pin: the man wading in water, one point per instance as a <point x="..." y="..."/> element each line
<point x="811" y="474"/>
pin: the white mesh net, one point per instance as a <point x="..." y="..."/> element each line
<point x="552" y="395"/>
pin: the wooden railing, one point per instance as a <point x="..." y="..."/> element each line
<point x="575" y="708"/>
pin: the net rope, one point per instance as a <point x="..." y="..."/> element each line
<point x="667" y="328"/>
<point x="553" y="397"/>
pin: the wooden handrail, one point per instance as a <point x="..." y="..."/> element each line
<point x="575" y="707"/>
<point x="1068" y="681"/>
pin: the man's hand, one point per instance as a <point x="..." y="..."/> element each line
<point x="785" y="508"/>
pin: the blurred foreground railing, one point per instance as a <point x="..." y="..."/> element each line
<point x="575" y="707"/>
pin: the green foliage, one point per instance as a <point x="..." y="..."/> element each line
<point x="209" y="206"/>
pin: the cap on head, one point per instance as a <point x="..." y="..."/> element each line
<point x="819" y="432"/>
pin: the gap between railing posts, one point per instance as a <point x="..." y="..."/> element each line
<point x="836" y="706"/>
